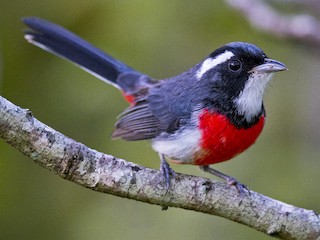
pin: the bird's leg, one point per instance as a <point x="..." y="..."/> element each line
<point x="229" y="180"/>
<point x="166" y="171"/>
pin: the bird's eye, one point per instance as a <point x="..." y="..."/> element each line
<point x="234" y="65"/>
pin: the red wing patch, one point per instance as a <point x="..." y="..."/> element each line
<point x="129" y="98"/>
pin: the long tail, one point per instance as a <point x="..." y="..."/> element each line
<point x="65" y="44"/>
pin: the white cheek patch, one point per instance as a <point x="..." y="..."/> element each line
<point x="212" y="62"/>
<point x="249" y="101"/>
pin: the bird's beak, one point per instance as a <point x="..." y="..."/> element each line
<point x="269" y="66"/>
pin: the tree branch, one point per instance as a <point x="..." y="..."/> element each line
<point x="75" y="162"/>
<point x="301" y="27"/>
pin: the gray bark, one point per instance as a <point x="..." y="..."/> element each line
<point x="101" y="172"/>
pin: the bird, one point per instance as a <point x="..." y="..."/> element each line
<point x="205" y="115"/>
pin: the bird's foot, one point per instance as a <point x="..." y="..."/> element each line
<point x="166" y="171"/>
<point x="231" y="181"/>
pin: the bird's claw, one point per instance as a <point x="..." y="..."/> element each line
<point x="240" y="187"/>
<point x="167" y="172"/>
<point x="231" y="181"/>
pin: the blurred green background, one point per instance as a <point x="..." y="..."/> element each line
<point x="162" y="39"/>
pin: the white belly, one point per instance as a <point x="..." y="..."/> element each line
<point x="179" y="146"/>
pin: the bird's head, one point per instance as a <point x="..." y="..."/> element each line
<point x="241" y="71"/>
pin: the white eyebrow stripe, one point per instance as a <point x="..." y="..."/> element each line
<point x="212" y="62"/>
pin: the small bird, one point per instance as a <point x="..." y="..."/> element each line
<point x="206" y="115"/>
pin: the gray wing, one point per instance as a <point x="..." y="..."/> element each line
<point x="137" y="123"/>
<point x="165" y="108"/>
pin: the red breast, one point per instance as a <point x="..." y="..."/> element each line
<point x="221" y="140"/>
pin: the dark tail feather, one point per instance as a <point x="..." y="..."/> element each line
<point x="63" y="43"/>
